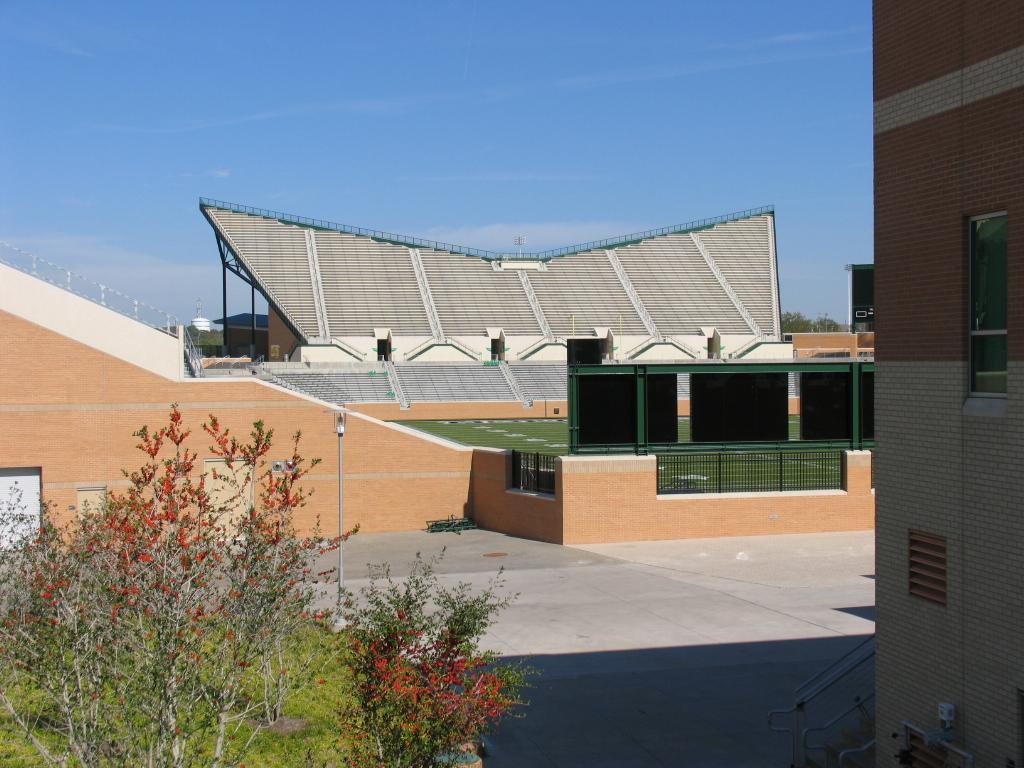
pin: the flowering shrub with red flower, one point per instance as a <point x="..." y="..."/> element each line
<point x="151" y="631"/>
<point x="423" y="689"/>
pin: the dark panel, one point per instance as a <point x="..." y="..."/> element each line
<point x="662" y="408"/>
<point x="607" y="410"/>
<point x="825" y="406"/>
<point x="583" y="351"/>
<point x="741" y="407"/>
<point x="867" y="405"/>
<point x="863" y="298"/>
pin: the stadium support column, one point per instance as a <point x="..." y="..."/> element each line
<point x="224" y="306"/>
<point x="252" y="322"/>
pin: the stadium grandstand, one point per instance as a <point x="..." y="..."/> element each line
<point x="337" y="291"/>
<point x="360" y="315"/>
<point x="435" y="376"/>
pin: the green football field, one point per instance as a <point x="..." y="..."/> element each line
<point x="541" y="435"/>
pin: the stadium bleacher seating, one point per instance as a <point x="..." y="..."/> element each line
<point x="277" y="254"/>
<point x="678" y="289"/>
<point x="369" y="284"/>
<point x="341" y="387"/>
<point x="339" y="282"/>
<point x="448" y="382"/>
<point x="471" y="296"/>
<point x="541" y="381"/>
<point x="741" y="251"/>
<point x="580" y="292"/>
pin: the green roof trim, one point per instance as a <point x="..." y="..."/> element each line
<point x="416" y="242"/>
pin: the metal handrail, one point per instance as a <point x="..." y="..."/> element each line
<point x="192" y="356"/>
<point x="418" y="242"/>
<point x="855" y="751"/>
<point x="857" y="704"/>
<point x="88" y="289"/>
<point x="834" y="671"/>
<point x="811" y="688"/>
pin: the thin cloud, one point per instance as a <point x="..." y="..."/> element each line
<point x="511" y="176"/>
<point x="786" y="38"/>
<point x="213" y="173"/>
<point x="394" y="105"/>
<point x="171" y="286"/>
<point x="647" y="74"/>
<point x="48" y="39"/>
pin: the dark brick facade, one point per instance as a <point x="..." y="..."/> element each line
<point x="919" y="40"/>
<point x="930" y="177"/>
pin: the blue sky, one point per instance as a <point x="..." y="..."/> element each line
<point x="467" y="121"/>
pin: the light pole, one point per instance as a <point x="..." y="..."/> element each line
<point x="520" y="241"/>
<point x="340" y="429"/>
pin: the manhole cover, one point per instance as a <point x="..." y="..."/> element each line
<point x="495" y="554"/>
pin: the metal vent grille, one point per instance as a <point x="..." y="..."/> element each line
<point x="928" y="567"/>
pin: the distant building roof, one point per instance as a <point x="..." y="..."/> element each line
<point x="243" y="320"/>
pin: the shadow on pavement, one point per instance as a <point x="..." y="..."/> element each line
<point x="700" y="706"/>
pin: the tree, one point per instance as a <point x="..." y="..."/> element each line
<point x="134" y="634"/>
<point x="423" y="689"/>
<point x="797" y="322"/>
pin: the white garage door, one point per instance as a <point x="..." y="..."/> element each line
<point x="19" y="503"/>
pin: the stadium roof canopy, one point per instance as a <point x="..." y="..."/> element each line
<point x="329" y="280"/>
<point x="243" y="320"/>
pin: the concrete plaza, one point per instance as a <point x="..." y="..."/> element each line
<point x="666" y="653"/>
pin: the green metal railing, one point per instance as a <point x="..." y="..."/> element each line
<point x="418" y="242"/>
<point x="760" y="472"/>
<point x="640" y="442"/>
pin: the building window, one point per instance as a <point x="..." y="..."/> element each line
<point x="988" y="305"/>
<point x="928" y="566"/>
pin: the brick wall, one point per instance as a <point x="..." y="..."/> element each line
<point x="920" y="40"/>
<point x="614" y="498"/>
<point x="947" y="149"/>
<point x="72" y="409"/>
<point x="278" y="334"/>
<point x="528" y="515"/>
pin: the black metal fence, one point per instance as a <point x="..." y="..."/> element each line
<point x="533" y="472"/>
<point x="725" y="472"/>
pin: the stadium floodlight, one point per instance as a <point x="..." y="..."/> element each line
<point x="520" y="241"/>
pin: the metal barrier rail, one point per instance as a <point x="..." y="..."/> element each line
<point x="725" y="472"/>
<point x="98" y="293"/>
<point x="533" y="472"/>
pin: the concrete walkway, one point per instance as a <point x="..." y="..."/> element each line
<point x="655" y="653"/>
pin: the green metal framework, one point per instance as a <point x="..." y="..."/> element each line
<point x="639" y="372"/>
<point x="416" y="242"/>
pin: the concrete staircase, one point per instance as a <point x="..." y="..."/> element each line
<point x="832" y="721"/>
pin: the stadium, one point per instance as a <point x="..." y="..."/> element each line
<point x="551" y="395"/>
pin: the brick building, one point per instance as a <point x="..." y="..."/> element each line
<point x="949" y="206"/>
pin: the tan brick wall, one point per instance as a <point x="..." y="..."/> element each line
<point x="71" y="410"/>
<point x="614" y="498"/>
<point x="279" y="335"/>
<point x="397" y="481"/>
<point x="531" y="516"/>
